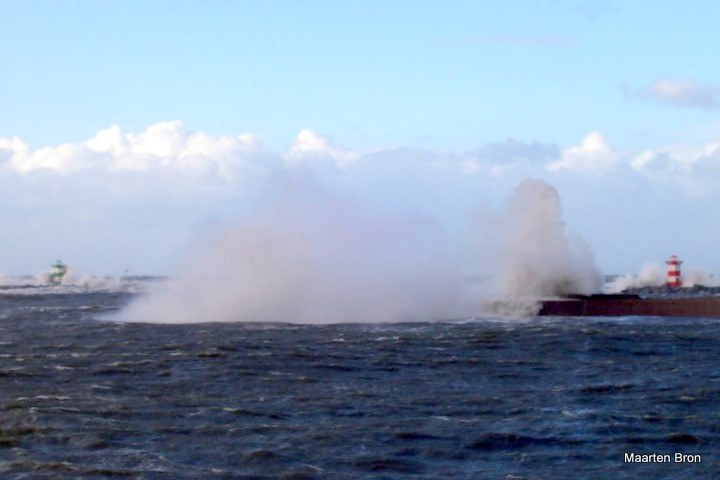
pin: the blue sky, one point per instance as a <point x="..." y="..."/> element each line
<point x="614" y="103"/>
<point x="448" y="75"/>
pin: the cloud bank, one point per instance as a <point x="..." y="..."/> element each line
<point x="164" y="146"/>
<point x="135" y="200"/>
<point x="167" y="149"/>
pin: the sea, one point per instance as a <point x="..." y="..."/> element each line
<point x="86" y="397"/>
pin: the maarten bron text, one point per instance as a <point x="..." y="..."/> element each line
<point x="661" y="458"/>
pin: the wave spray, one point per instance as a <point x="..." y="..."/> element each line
<point x="310" y="256"/>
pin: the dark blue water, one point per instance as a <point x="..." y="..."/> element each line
<point x="512" y="399"/>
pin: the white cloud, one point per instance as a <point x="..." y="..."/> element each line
<point x="10" y="146"/>
<point x="63" y="158"/>
<point x="696" y="169"/>
<point x="165" y="146"/>
<point x="594" y="155"/>
<point x="669" y="159"/>
<point x="311" y="147"/>
<point x="681" y="93"/>
<point x="109" y="140"/>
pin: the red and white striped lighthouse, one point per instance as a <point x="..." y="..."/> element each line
<point x="673" y="277"/>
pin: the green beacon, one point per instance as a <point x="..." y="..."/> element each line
<point x="59" y="270"/>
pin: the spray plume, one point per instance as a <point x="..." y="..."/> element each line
<point x="539" y="258"/>
<point x="310" y="256"/>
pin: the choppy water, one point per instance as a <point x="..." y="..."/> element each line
<point x="511" y="399"/>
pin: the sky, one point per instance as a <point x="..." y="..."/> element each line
<point x="130" y="131"/>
